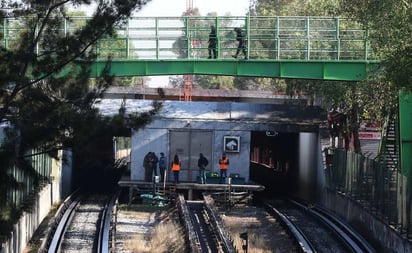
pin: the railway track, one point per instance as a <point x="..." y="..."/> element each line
<point x="204" y="227"/>
<point x="82" y="225"/>
<point x="310" y="228"/>
<point x="201" y="225"/>
<point x="316" y="230"/>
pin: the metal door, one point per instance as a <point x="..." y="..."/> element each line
<point x="187" y="145"/>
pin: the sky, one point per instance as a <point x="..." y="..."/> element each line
<point x="176" y="7"/>
<point x="164" y="8"/>
<point x="156" y="8"/>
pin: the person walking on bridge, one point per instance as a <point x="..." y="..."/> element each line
<point x="241" y="38"/>
<point x="175" y="166"/>
<point x="224" y="165"/>
<point x="212" y="43"/>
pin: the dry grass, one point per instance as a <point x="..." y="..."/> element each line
<point x="254" y="222"/>
<point x="256" y="243"/>
<point x="166" y="237"/>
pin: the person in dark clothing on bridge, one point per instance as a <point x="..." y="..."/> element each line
<point x="241" y="38"/>
<point x="212" y="43"/>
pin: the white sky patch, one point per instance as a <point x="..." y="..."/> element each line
<point x="157" y="8"/>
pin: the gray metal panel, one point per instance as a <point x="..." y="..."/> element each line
<point x="201" y="142"/>
<point x="187" y="145"/>
<point x="179" y="144"/>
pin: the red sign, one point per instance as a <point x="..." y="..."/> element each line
<point x="370" y="135"/>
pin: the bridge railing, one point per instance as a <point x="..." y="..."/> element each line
<point x="272" y="38"/>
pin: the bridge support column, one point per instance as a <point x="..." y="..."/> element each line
<point x="190" y="194"/>
<point x="130" y="194"/>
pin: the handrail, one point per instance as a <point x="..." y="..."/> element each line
<point x="186" y="37"/>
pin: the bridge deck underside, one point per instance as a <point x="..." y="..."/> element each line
<point x="324" y="70"/>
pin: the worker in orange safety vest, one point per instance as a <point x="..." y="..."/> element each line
<point x="175" y="166"/>
<point x="224" y="165"/>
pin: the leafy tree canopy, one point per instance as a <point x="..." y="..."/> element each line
<point x="47" y="100"/>
<point x="295" y="8"/>
<point x="390" y="26"/>
<point x="370" y="100"/>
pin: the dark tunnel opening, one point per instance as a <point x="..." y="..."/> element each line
<point x="274" y="161"/>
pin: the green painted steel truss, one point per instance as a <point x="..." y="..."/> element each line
<point x="326" y="70"/>
<point x="327" y="48"/>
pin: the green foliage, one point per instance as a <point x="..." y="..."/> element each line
<point x="123" y="142"/>
<point x="390" y="26"/>
<point x="215" y="82"/>
<point x="124" y="81"/>
<point x="44" y="108"/>
<point x="295" y="8"/>
<point x="271" y="7"/>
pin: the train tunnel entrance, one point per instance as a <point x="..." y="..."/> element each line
<point x="274" y="160"/>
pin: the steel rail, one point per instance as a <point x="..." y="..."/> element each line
<point x="63" y="225"/>
<point x="63" y="219"/>
<point x="352" y="238"/>
<point x="191" y="238"/>
<point x="303" y="242"/>
<point x="54" y="223"/>
<point x="104" y="228"/>
<point x="217" y="225"/>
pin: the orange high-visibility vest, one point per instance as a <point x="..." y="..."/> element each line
<point x="224" y="163"/>
<point x="176" y="167"/>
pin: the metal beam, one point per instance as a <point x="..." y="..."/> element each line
<point x="323" y="70"/>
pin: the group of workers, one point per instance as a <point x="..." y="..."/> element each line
<point x="240" y="37"/>
<point x="151" y="162"/>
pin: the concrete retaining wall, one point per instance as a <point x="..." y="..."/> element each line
<point x="29" y="222"/>
<point x="378" y="234"/>
<point x="24" y="230"/>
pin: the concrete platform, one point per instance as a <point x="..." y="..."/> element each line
<point x="189" y="186"/>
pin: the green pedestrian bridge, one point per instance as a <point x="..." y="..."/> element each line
<point x="323" y="48"/>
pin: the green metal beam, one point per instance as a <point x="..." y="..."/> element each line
<point x="323" y="70"/>
<point x="405" y="129"/>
